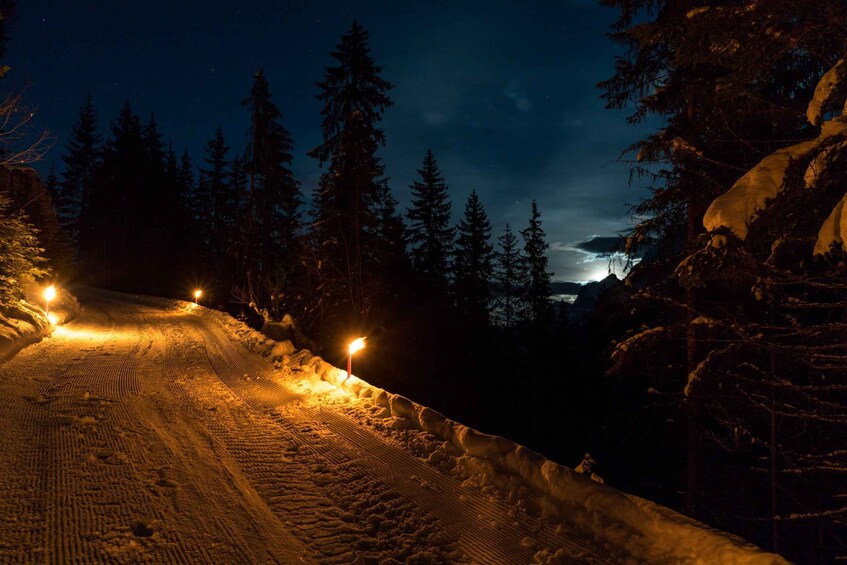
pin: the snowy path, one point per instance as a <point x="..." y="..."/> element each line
<point x="140" y="433"/>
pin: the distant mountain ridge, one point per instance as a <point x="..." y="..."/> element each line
<point x="565" y="287"/>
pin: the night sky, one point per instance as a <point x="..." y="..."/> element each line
<point x="503" y="93"/>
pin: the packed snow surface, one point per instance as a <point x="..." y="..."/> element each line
<point x="150" y="430"/>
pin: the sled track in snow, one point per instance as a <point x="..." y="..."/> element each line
<point x="486" y="527"/>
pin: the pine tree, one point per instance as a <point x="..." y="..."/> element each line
<point x="114" y="216"/>
<point x="430" y="234"/>
<point x="212" y="204"/>
<point x="21" y="257"/>
<point x="81" y="160"/>
<point x="272" y="215"/>
<point x="537" y="308"/>
<point x="392" y="241"/>
<point x="730" y="82"/>
<point x="348" y="198"/>
<point x="473" y="266"/>
<point x="509" y="277"/>
<point x="52" y="185"/>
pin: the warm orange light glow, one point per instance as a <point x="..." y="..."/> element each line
<point x="53" y="318"/>
<point x="356" y="345"/>
<point x="197" y="294"/>
<point x="49" y="293"/>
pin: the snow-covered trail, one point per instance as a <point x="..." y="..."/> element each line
<point x="144" y="433"/>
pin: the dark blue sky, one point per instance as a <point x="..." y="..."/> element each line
<point x="504" y="93"/>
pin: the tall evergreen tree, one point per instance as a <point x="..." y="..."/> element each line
<point x="213" y="205"/>
<point x="347" y="201"/>
<point x="272" y="214"/>
<point x="52" y="185"/>
<point x="509" y="277"/>
<point x="21" y="258"/>
<point x="730" y="83"/>
<point x="537" y="296"/>
<point x="473" y="266"/>
<point x="113" y="220"/>
<point x="430" y="233"/>
<point x="81" y="159"/>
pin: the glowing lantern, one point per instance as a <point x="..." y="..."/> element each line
<point x="355" y="345"/>
<point x="49" y="294"/>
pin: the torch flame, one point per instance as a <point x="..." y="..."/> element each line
<point x="356" y="345"/>
<point x="49" y="293"/>
<point x="197" y="294"/>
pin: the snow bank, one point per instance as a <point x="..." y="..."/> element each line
<point x="25" y="323"/>
<point x="737" y="208"/>
<point x="833" y="232"/>
<point x="640" y="527"/>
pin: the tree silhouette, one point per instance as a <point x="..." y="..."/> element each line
<point x="272" y="221"/>
<point x="536" y="299"/>
<point x="473" y="265"/>
<point x="509" y="277"/>
<point x="430" y="233"/>
<point x="81" y="159"/>
<point x="350" y="195"/>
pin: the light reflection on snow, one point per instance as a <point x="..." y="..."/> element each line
<point x="93" y="333"/>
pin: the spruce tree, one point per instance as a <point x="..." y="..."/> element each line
<point x="348" y="198"/>
<point x="212" y="204"/>
<point x="81" y="159"/>
<point x="730" y="83"/>
<point x="272" y="209"/>
<point x="473" y="264"/>
<point x="509" y="277"/>
<point x="21" y="258"/>
<point x="113" y="223"/>
<point x="430" y="233"/>
<point x="536" y="299"/>
<point x="52" y="186"/>
<point x="185" y="175"/>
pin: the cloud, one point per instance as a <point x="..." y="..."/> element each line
<point x="592" y="249"/>
<point x="600" y="245"/>
<point x="516" y="93"/>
